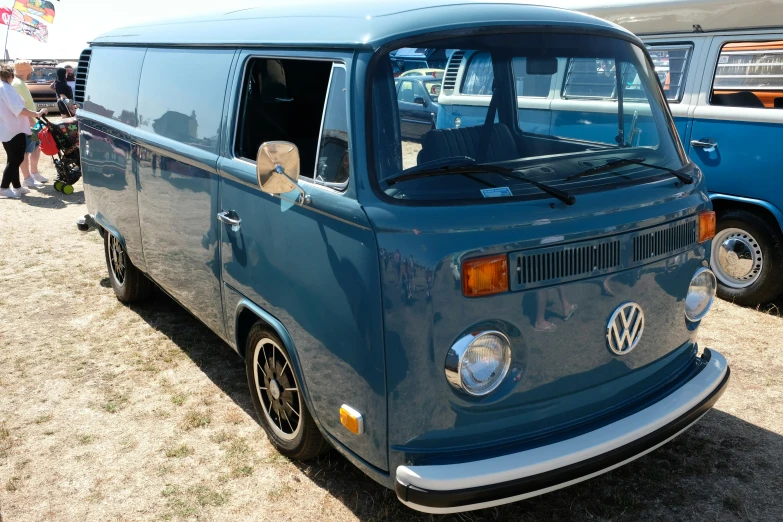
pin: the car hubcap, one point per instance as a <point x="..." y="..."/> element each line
<point x="736" y="258"/>
<point x="117" y="260"/>
<point x="277" y="389"/>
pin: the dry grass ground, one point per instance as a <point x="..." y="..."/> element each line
<point x="109" y="412"/>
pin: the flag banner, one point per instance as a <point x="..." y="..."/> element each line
<point x="28" y="25"/>
<point x="40" y="8"/>
<point x="5" y="15"/>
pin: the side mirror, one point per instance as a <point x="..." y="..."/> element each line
<point x="277" y="169"/>
<point x="418" y="100"/>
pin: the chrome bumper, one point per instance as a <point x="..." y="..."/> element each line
<point x="481" y="484"/>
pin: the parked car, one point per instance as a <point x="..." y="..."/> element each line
<point x="417" y="98"/>
<point x="44" y="73"/>
<point x="417" y="59"/>
<point x="721" y="63"/>
<point x="486" y="316"/>
<point x="435" y="73"/>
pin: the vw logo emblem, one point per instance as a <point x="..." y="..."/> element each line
<point x="625" y="328"/>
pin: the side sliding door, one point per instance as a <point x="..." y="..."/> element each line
<point x="180" y="108"/>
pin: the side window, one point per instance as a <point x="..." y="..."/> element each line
<point x="590" y="78"/>
<point x="418" y="91"/>
<point x="405" y="93"/>
<point x="283" y="100"/>
<point x="333" y="164"/>
<point x="749" y="74"/>
<point x="479" y="76"/>
<point x="114" y="77"/>
<point x="530" y="85"/>
<point x="173" y="105"/>
<point x="671" y="65"/>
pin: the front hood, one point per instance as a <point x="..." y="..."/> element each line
<point x="560" y="375"/>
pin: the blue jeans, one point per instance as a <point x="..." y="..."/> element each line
<point x="31" y="145"/>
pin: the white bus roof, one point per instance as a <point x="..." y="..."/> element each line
<point x="679" y="16"/>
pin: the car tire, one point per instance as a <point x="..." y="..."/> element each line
<point x="277" y="396"/>
<point x="129" y="283"/>
<point x="747" y="258"/>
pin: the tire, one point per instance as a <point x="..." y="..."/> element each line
<point x="129" y="284"/>
<point x="747" y="258"/>
<point x="277" y="397"/>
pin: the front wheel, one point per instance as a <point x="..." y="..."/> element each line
<point x="129" y="284"/>
<point x="277" y="397"/>
<point x="747" y="258"/>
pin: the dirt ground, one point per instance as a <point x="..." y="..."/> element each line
<point x="110" y="412"/>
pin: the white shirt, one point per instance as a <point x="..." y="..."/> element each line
<point x="11" y="120"/>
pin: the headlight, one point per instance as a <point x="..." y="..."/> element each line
<point x="478" y="362"/>
<point x="701" y="294"/>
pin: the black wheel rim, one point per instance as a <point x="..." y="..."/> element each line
<point x="277" y="389"/>
<point x="117" y="260"/>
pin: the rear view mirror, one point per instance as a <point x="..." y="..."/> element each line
<point x="541" y="66"/>
<point x="277" y="169"/>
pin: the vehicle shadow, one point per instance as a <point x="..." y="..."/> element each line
<point x="723" y="468"/>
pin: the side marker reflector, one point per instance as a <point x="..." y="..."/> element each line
<point x="352" y="419"/>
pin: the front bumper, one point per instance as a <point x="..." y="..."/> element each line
<point x="481" y="484"/>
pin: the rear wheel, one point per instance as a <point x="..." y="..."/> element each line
<point x="129" y="284"/>
<point x="68" y="189"/>
<point x="747" y="258"/>
<point x="58" y="185"/>
<point x="277" y="397"/>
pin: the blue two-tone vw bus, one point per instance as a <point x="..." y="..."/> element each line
<point x="478" y="317"/>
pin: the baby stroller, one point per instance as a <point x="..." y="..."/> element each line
<point x="61" y="140"/>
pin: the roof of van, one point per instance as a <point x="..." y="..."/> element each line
<point x="341" y="23"/>
<point x="644" y="17"/>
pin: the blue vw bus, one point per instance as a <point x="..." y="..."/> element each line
<point x="478" y="317"/>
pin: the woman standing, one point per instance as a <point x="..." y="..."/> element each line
<point x="14" y="128"/>
<point x="60" y="85"/>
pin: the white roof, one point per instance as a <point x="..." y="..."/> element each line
<point x="679" y="16"/>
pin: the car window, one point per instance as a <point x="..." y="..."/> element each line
<point x="113" y="83"/>
<point x="590" y="78"/>
<point x="173" y="105"/>
<point x="333" y="164"/>
<point x="749" y="74"/>
<point x="671" y="66"/>
<point x="478" y="76"/>
<point x="405" y="93"/>
<point x="283" y="100"/>
<point x="418" y="91"/>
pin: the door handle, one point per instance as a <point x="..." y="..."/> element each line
<point x="708" y="145"/>
<point x="229" y="217"/>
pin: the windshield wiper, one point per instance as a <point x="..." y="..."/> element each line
<point x="468" y="165"/>
<point x="611" y="165"/>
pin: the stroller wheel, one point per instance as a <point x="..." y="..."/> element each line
<point x="58" y="185"/>
<point x="68" y="189"/>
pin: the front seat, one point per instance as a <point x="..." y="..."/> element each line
<point x="448" y="143"/>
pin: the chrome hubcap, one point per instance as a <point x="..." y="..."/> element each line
<point x="277" y="389"/>
<point x="736" y="258"/>
<point x="117" y="259"/>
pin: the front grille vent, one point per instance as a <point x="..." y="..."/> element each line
<point x="564" y="263"/>
<point x="81" y="75"/>
<point x="664" y="241"/>
<point x="450" y="78"/>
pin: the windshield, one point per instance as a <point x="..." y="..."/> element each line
<point x="43" y="75"/>
<point x="547" y="107"/>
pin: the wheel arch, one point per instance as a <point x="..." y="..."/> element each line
<point x="247" y="314"/>
<point x="722" y="203"/>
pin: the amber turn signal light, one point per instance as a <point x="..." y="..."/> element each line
<point x="351" y="419"/>
<point x="706" y="225"/>
<point x="485" y="276"/>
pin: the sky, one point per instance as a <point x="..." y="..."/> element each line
<point x="78" y="21"/>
